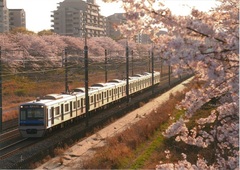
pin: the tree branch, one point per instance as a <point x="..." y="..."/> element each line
<point x="223" y="51"/>
<point x="205" y="35"/>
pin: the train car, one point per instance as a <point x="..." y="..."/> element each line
<point x="119" y="91"/>
<point x="35" y="117"/>
<point x="55" y="110"/>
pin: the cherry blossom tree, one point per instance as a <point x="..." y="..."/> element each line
<point x="206" y="44"/>
<point x="107" y="43"/>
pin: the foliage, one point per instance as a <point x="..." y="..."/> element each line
<point x="47" y="49"/>
<point x="51" y="46"/>
<point x="21" y="30"/>
<point x="206" y="44"/>
<point x="45" y="32"/>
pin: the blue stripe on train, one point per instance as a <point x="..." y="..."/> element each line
<point x="32" y="122"/>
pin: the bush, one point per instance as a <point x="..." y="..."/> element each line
<point x="20" y="92"/>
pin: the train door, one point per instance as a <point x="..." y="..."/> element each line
<point x="94" y="100"/>
<point x="52" y="115"/>
<point x="119" y="91"/>
<point x="107" y="96"/>
<point x="112" y="95"/>
<point x="82" y="105"/>
<point x="71" y="109"/>
<point x="99" y="99"/>
<point x="62" y="112"/>
<point x="46" y="110"/>
<point x="102" y="98"/>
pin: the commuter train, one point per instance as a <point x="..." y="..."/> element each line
<point x="38" y="117"/>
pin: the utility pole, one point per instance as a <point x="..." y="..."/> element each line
<point x="132" y="62"/>
<point x="161" y="67"/>
<point x="66" y="70"/>
<point x="1" y="89"/>
<point x="169" y="74"/>
<point x="149" y="61"/>
<point x="127" y="75"/>
<point x="152" y="56"/>
<point x="106" y="65"/>
<point x="86" y="79"/>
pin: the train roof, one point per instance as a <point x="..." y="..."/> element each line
<point x="50" y="98"/>
<point x="116" y="81"/>
<point x="79" y="89"/>
<point x="137" y="75"/>
<point x="133" y="78"/>
<point x="99" y="85"/>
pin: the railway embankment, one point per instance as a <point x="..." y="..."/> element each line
<point x="75" y="156"/>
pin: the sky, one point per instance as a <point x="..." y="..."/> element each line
<point x="38" y="12"/>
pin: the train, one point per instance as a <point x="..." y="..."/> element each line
<point x="41" y="116"/>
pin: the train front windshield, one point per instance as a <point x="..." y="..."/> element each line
<point x="32" y="115"/>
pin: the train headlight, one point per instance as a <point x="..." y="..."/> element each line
<point x="21" y="106"/>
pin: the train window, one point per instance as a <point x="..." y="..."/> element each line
<point x="110" y="92"/>
<point x="23" y="115"/>
<point x="74" y="105"/>
<point x="78" y="103"/>
<point x="100" y="97"/>
<point x="30" y="114"/>
<point x="105" y="94"/>
<point x="66" y="107"/>
<point x="34" y="113"/>
<point x="57" y="110"/>
<point x="91" y="99"/>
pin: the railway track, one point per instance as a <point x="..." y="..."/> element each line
<point x="9" y="135"/>
<point x="10" y="124"/>
<point x="12" y="148"/>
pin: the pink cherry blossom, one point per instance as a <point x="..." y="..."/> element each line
<point x="207" y="45"/>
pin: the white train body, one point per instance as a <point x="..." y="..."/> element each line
<point x="54" y="110"/>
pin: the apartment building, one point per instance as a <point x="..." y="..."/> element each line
<point x="17" y="18"/>
<point x="4" y="17"/>
<point x="117" y="19"/>
<point x="78" y="18"/>
<point x="112" y="22"/>
<point x="142" y="39"/>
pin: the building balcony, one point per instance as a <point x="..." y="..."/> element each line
<point x="94" y="13"/>
<point x="94" y="28"/>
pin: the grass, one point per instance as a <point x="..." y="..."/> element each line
<point x="156" y="142"/>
